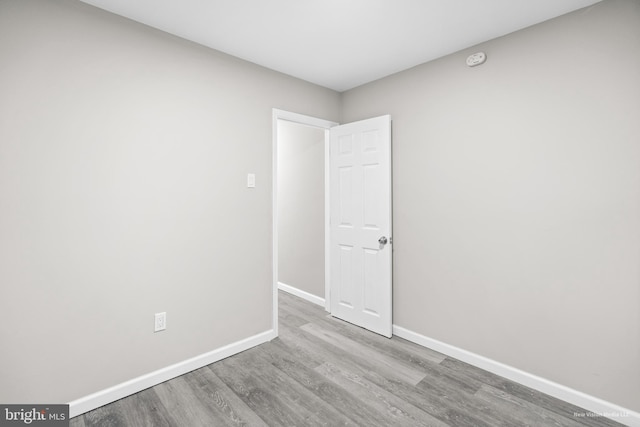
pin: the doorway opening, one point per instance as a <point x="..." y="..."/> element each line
<point x="355" y="233"/>
<point x="300" y="207"/>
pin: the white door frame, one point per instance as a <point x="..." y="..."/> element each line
<point x="322" y="124"/>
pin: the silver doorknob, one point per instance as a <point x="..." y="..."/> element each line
<point x="382" y="240"/>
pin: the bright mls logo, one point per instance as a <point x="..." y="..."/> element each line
<point x="34" y="415"/>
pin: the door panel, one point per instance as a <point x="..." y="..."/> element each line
<point x="345" y="291"/>
<point x="360" y="195"/>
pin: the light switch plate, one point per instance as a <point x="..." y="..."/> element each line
<point x="160" y="323"/>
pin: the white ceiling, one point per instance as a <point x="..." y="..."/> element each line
<point x="339" y="44"/>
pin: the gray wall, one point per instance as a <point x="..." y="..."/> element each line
<point x="301" y="207"/>
<point x="517" y="199"/>
<point x="123" y="161"/>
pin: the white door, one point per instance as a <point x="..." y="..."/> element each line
<point x="360" y="241"/>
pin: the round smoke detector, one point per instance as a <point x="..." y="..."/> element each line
<point x="476" y="59"/>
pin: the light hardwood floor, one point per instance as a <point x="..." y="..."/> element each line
<point x="325" y="372"/>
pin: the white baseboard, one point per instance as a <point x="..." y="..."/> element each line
<point x="578" y="398"/>
<point x="302" y="294"/>
<point x="127" y="388"/>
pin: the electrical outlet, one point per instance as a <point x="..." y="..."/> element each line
<point x="161" y="322"/>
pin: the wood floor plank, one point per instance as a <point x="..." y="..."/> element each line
<point x="393" y="410"/>
<point x="292" y="319"/>
<point x="139" y="410"/>
<point x="435" y="397"/>
<point x="309" y="347"/>
<point x="350" y="406"/>
<point x="440" y="398"/>
<point x="327" y="372"/>
<point x="252" y="379"/>
<point x="317" y="350"/>
<point x="395" y="346"/>
<point x="212" y="391"/>
<point x="289" y="304"/>
<point x="77" y="421"/>
<point x="260" y="400"/>
<point x="106" y="416"/>
<point x="145" y="409"/>
<point x="525" y="411"/>
<point x="551" y="403"/>
<point x="462" y="407"/>
<point x="406" y="372"/>
<point x="182" y="402"/>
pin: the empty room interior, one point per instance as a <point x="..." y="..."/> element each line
<point x="146" y="168"/>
